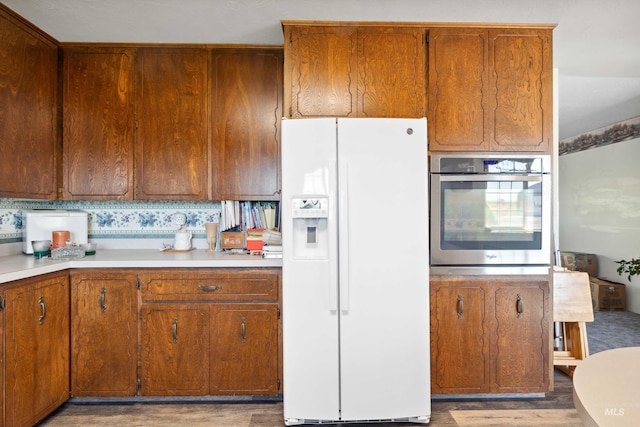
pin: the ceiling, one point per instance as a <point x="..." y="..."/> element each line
<point x="596" y="43"/>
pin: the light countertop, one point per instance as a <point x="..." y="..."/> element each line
<point x="21" y="266"/>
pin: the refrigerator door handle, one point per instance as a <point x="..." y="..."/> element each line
<point x="343" y="229"/>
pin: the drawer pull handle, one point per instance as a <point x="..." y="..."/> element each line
<point x="519" y="306"/>
<point x="174" y="329"/>
<point x="103" y="295"/>
<point x="460" y="307"/>
<point x="243" y="329"/>
<point x="211" y="288"/>
<point x="43" y="307"/>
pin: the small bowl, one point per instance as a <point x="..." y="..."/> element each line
<point x="41" y="248"/>
<point x="89" y="248"/>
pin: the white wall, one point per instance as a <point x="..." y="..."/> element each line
<point x="599" y="208"/>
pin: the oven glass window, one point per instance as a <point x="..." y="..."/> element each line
<point x="491" y="215"/>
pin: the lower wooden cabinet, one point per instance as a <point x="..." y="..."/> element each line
<point x="104" y="333"/>
<point x="36" y="348"/>
<point x="175" y="349"/>
<point x="175" y="332"/>
<point x="210" y="332"/>
<point x="490" y="335"/>
<point x="244" y="349"/>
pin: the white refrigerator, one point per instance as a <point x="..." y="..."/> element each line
<point x="355" y="270"/>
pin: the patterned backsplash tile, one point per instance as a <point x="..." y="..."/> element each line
<point x="113" y="219"/>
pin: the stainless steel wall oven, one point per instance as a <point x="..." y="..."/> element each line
<point x="490" y="209"/>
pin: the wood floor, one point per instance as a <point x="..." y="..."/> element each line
<point x="556" y="409"/>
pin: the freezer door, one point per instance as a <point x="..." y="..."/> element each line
<point x="384" y="269"/>
<point x="309" y="280"/>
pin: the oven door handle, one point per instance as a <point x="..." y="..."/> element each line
<point x="490" y="178"/>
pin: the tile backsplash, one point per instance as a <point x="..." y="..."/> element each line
<point x="115" y="219"/>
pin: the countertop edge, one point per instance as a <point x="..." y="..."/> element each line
<point x="21" y="266"/>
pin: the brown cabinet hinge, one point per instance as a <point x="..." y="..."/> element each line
<point x="2" y="304"/>
<point x="278" y="313"/>
<point x="138" y="284"/>
<point x="138" y="384"/>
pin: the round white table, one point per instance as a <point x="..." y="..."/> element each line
<point x="606" y="388"/>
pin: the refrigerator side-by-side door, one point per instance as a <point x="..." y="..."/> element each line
<point x="384" y="269"/>
<point x="309" y="274"/>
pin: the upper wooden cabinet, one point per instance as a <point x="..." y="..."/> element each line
<point x="522" y="85"/>
<point x="246" y="109"/>
<point x="171" y="120"/>
<point x="28" y="110"/>
<point x="350" y="71"/>
<point x="490" y="89"/>
<point x="98" y="123"/>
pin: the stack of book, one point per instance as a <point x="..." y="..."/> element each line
<point x="272" y="251"/>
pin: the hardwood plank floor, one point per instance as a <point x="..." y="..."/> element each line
<point x="555" y="409"/>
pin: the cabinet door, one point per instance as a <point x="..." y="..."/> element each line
<point x="521" y="89"/>
<point x="246" y="112"/>
<point x="522" y="345"/>
<point x="104" y="334"/>
<point x="320" y="72"/>
<point x="28" y="112"/>
<point x="175" y="349"/>
<point x="98" y="124"/>
<point x="391" y="72"/>
<point x="37" y="349"/>
<point x="171" y="140"/>
<point x="244" y="349"/>
<point x="459" y="116"/>
<point x="459" y="342"/>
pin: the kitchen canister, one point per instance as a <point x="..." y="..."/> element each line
<point x="60" y="238"/>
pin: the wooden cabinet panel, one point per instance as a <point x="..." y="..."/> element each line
<point x="246" y="109"/>
<point x="244" y="349"/>
<point x="240" y="337"/>
<point x="354" y="71"/>
<point x="391" y="72"/>
<point x="459" y="342"/>
<point x="28" y="112"/>
<point x="320" y="72"/>
<point x="522" y="89"/>
<point x="458" y="89"/>
<point x="175" y="349"/>
<point x="98" y="123"/>
<point x="522" y="342"/>
<point x="171" y="141"/>
<point x="221" y="284"/>
<point x="36" y="349"/>
<point x="490" y="335"/>
<point x="490" y="90"/>
<point x="104" y="333"/>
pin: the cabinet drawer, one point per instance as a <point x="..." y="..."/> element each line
<point x="211" y="285"/>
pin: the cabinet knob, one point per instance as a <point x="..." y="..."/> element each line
<point x="212" y="288"/>
<point x="103" y="296"/>
<point x="460" y="306"/>
<point x="43" y="308"/>
<point x="243" y="329"/>
<point x="519" y="306"/>
<point x="174" y="329"/>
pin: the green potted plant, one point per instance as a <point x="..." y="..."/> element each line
<point x="630" y="268"/>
